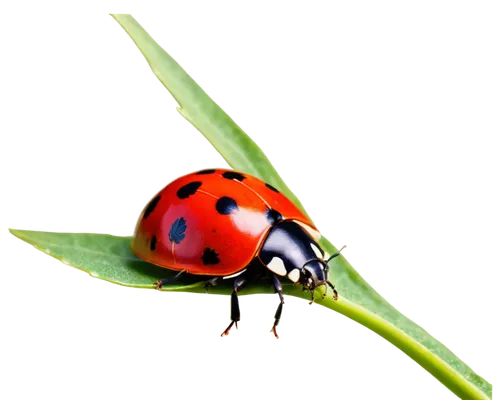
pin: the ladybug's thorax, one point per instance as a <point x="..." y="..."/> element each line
<point x="289" y="250"/>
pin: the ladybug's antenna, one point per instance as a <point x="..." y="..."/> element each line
<point x="327" y="282"/>
<point x="336" y="254"/>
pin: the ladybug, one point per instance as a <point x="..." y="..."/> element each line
<point x="224" y="224"/>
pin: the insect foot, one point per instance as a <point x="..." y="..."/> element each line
<point x="226" y="332"/>
<point x="275" y="332"/>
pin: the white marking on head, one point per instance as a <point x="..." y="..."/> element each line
<point x="234" y="275"/>
<point x="277" y="266"/>
<point x="294" y="275"/>
<point x="317" y="251"/>
<point x="327" y="256"/>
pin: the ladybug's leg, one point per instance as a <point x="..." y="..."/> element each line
<point x="159" y="284"/>
<point x="212" y="282"/>
<point x="277" y="316"/>
<point x="235" y="305"/>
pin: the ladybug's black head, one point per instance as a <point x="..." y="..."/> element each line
<point x="314" y="273"/>
<point x="290" y="250"/>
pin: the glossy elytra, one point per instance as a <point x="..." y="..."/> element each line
<point x="225" y="224"/>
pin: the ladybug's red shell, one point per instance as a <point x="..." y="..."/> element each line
<point x="211" y="222"/>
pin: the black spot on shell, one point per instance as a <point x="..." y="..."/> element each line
<point x="273" y="216"/>
<point x="188" y="190"/>
<point x="272" y="188"/>
<point x="152" y="245"/>
<point x="178" y="231"/>
<point x="226" y="205"/>
<point x="233" y="175"/>
<point x="151" y="206"/>
<point x="210" y="257"/>
<point x="206" y="172"/>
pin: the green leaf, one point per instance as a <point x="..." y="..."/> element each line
<point x="107" y="257"/>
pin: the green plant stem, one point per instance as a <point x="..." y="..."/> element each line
<point x="433" y="364"/>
